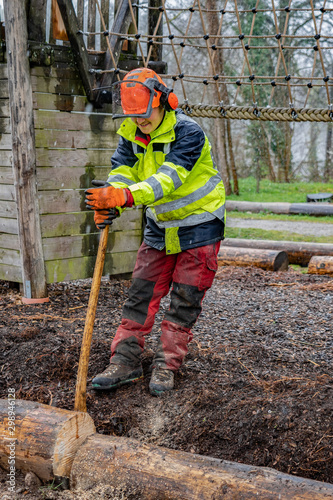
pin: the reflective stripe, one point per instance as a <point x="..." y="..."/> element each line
<point x="156" y="186"/>
<point x="120" y="178"/>
<point x="166" y="148"/>
<point x="137" y="149"/>
<point x="191" y="220"/>
<point x="190" y="198"/>
<point x="171" y="172"/>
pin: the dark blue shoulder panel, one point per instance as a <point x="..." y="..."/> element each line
<point x="124" y="154"/>
<point x="188" y="144"/>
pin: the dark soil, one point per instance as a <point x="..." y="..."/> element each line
<point x="256" y="386"/>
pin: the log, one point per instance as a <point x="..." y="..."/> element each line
<point x="54" y="442"/>
<point x="298" y="253"/>
<point x="43" y="439"/>
<point x="317" y="209"/>
<point x="270" y="260"/>
<point x="150" y="472"/>
<point x="321" y="265"/>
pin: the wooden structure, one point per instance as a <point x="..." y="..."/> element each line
<point x="298" y="253"/>
<point x="54" y="140"/>
<point x="53" y="442"/>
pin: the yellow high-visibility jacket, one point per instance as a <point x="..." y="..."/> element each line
<point x="172" y="173"/>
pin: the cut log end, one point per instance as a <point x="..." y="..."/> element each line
<point x="48" y="438"/>
<point x="321" y="265"/>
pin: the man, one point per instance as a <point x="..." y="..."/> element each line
<point x="163" y="162"/>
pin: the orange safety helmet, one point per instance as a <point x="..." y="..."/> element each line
<point x="139" y="92"/>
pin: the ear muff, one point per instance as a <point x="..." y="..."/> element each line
<point x="168" y="99"/>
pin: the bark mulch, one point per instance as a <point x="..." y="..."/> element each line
<point x="256" y="386"/>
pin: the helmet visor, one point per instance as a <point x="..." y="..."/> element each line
<point x="131" y="98"/>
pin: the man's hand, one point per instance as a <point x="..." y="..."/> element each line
<point x="104" y="218"/>
<point x="102" y="198"/>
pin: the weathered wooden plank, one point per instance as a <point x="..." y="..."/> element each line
<point x="10" y="241"/>
<point x="59" y="73"/>
<point x="7" y="192"/>
<point x="3" y="72"/>
<point x="56" y="86"/>
<point x="71" y="139"/>
<point x="5" y="126"/>
<point x="6" y="141"/>
<point x="8" y="225"/>
<point x="6" y="158"/>
<point x="59" y="102"/>
<point x="83" y="223"/>
<point x="6" y="174"/>
<point x="10" y="257"/>
<point x="8" y="209"/>
<point x="4" y="93"/>
<point x="83" y="267"/>
<point x="74" y="121"/>
<point x="73" y="157"/>
<point x="4" y="108"/>
<point x="66" y="177"/>
<point x="24" y="157"/>
<point x="69" y="200"/>
<point x="10" y="273"/>
<point x="65" y="247"/>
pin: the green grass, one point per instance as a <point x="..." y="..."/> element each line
<point x="260" y="234"/>
<point x="278" y="192"/>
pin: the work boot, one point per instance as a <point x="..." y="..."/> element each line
<point x="162" y="380"/>
<point x="116" y="375"/>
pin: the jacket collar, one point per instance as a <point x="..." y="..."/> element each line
<point x="161" y="134"/>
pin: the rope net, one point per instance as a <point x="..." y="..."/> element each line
<point x="226" y="59"/>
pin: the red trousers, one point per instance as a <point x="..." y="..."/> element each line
<point x="191" y="274"/>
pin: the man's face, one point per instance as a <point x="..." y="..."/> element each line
<point x="148" y="125"/>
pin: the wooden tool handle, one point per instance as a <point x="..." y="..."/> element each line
<point x="81" y="383"/>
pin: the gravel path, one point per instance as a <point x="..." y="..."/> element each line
<point x="306" y="228"/>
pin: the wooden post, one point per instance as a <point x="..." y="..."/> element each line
<point x="24" y="154"/>
<point x="77" y="43"/>
<point x="153" y="16"/>
<point x="37" y="20"/>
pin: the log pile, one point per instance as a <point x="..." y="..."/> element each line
<point x="298" y="253"/>
<point x="54" y="442"/>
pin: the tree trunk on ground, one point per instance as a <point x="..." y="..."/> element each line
<point x="298" y="253"/>
<point x="321" y="265"/>
<point x="270" y="260"/>
<point x="149" y="472"/>
<point x="44" y="439"/>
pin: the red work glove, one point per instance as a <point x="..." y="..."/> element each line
<point x="104" y="218"/>
<point x="105" y="197"/>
